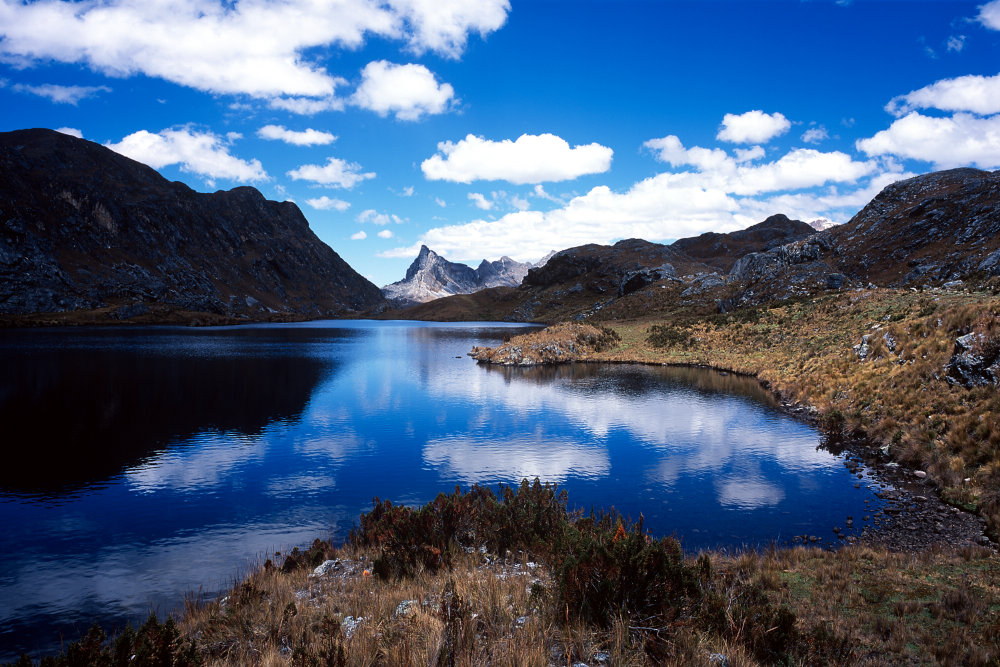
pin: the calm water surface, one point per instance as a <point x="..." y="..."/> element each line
<point x="146" y="464"/>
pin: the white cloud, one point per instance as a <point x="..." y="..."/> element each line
<point x="385" y="234"/>
<point x="440" y="202"/>
<point x="307" y="106"/>
<point x="376" y="218"/>
<point x="815" y="135"/>
<point x="481" y="201"/>
<point x="252" y="47"/>
<point x="61" y="94"/>
<point x="520" y="203"/>
<point x="800" y="168"/>
<point x="202" y="153"/>
<point x="961" y="140"/>
<point x="529" y="159"/>
<point x="444" y="25"/>
<point x="71" y="131"/>
<point x="407" y="191"/>
<point x="749" y="154"/>
<point x="956" y="43"/>
<point x="325" y="203"/>
<point x="408" y="91"/>
<point x="719" y="193"/>
<point x="359" y="236"/>
<point x="752" y="127"/>
<point x="989" y="15"/>
<point x="336" y="173"/>
<point x="978" y="94"/>
<point x="540" y="193"/>
<point x="307" y="137"/>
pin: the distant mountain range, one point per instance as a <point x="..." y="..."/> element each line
<point x="937" y="229"/>
<point x="431" y="276"/>
<point x="83" y="228"/>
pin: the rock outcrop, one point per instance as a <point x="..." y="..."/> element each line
<point x="933" y="229"/>
<point x="431" y="276"/>
<point x="84" y="228"/>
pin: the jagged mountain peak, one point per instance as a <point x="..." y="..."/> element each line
<point x="431" y="276"/>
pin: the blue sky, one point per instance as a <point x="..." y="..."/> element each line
<point x="486" y="127"/>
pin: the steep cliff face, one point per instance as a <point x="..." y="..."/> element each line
<point x="82" y="227"/>
<point x="431" y="276"/>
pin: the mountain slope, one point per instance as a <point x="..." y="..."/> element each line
<point x="82" y="227"/>
<point x="928" y="229"/>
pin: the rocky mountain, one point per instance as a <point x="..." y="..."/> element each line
<point x="928" y="230"/>
<point x="720" y="251"/>
<point x="431" y="276"/>
<point x="583" y="281"/>
<point x="83" y="228"/>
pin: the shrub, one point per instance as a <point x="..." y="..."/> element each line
<point x="154" y="644"/>
<point x="666" y="335"/>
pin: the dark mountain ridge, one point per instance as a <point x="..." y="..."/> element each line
<point x="84" y="228"/>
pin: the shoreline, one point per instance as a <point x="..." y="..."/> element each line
<point x="915" y="517"/>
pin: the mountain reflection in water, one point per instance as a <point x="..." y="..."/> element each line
<point x="148" y="463"/>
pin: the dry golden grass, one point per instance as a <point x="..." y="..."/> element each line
<point x="858" y="605"/>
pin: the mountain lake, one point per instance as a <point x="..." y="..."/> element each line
<point x="145" y="466"/>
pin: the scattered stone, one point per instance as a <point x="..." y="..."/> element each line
<point x="326" y="567"/>
<point x="862" y="349"/>
<point x="349" y="625"/>
<point x="972" y="364"/>
<point x="407" y="608"/>
<point x="919" y="474"/>
<point x="835" y="281"/>
<point x="952" y="285"/>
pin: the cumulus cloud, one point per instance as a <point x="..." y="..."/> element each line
<point x="71" y="131"/>
<point x="815" y="135"/>
<point x="376" y="218"/>
<point x="989" y="15"/>
<point x="252" y="47"/>
<point x="715" y="191"/>
<point x="385" y="234"/>
<point x="202" y="153"/>
<point x="800" y="168"/>
<point x="444" y="25"/>
<point x="407" y="91"/>
<point x="956" y="43"/>
<point x="978" y="94"/>
<point x="480" y="201"/>
<point x="61" y="94"/>
<point x="307" y="137"/>
<point x="359" y="236"/>
<point x="528" y="159"/>
<point x="325" y="203"/>
<point x="752" y="127"/>
<point x="336" y="173"/>
<point x="961" y="140"/>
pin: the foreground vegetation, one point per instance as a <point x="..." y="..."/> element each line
<point x="514" y="578"/>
